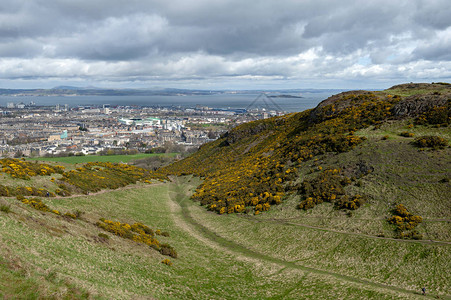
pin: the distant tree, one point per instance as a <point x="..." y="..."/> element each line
<point x="18" y="154"/>
<point x="211" y="135"/>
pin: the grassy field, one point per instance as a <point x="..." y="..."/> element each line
<point x="45" y="256"/>
<point x="103" y="158"/>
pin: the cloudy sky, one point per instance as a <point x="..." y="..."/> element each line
<point x="217" y="44"/>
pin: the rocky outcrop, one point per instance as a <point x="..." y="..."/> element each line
<point x="417" y="104"/>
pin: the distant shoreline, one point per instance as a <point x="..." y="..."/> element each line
<point x="285" y="96"/>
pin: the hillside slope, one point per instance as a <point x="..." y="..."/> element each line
<point x="256" y="165"/>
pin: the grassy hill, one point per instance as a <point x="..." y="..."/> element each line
<point x="357" y="156"/>
<point x="255" y="165"/>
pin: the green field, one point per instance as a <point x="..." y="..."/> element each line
<point x="101" y="158"/>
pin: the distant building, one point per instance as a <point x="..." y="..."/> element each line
<point x="140" y="122"/>
<point x="10" y="105"/>
<point x="125" y="121"/>
<point x="54" y="137"/>
<point x="63" y="136"/>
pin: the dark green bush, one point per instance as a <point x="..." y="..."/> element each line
<point x="430" y="141"/>
<point x="5" y="208"/>
<point x="406" y="134"/>
<point x="103" y="236"/>
<point x="438" y="115"/>
<point x="165" y="249"/>
<point x="351" y="203"/>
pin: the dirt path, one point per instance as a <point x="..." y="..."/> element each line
<point x="286" y="222"/>
<point x="358" y="219"/>
<point x="180" y="206"/>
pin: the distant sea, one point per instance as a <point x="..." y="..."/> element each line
<point x="221" y="101"/>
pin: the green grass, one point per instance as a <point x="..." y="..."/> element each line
<point x="259" y="259"/>
<point x="285" y="253"/>
<point x="101" y="158"/>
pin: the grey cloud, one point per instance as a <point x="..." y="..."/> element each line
<point x="20" y="48"/>
<point x="435" y="51"/>
<point x="202" y="39"/>
<point x="114" y="39"/>
<point x="433" y="14"/>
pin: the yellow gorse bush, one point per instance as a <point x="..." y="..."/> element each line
<point x="25" y="170"/>
<point x="405" y="223"/>
<point x="139" y="233"/>
<point x="95" y="176"/>
<point x="24" y="191"/>
<point x="37" y="204"/>
<point x="253" y="165"/>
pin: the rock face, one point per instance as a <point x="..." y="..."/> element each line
<point x="417" y="104"/>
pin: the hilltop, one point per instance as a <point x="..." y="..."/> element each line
<point x="349" y="200"/>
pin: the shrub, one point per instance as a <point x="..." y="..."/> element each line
<point x="405" y="223"/>
<point x="95" y="176"/>
<point x="346" y="202"/>
<point x="37" y="204"/>
<point x="430" y="141"/>
<point x="17" y="168"/>
<point x="406" y="134"/>
<point x="167" y="262"/>
<point x="70" y="215"/>
<point x="78" y="213"/>
<point x="438" y="115"/>
<point x="104" y="236"/>
<point x="326" y="187"/>
<point x="137" y="232"/>
<point x="168" y="250"/>
<point x="5" y="208"/>
<point x="32" y="191"/>
<point x="4" y="191"/>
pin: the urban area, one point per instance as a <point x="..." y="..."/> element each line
<point x="27" y="130"/>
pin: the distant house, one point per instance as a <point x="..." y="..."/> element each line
<point x="54" y="137"/>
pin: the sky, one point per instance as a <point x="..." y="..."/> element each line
<point x="224" y="44"/>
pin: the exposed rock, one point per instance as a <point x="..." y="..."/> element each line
<point x="418" y="104"/>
